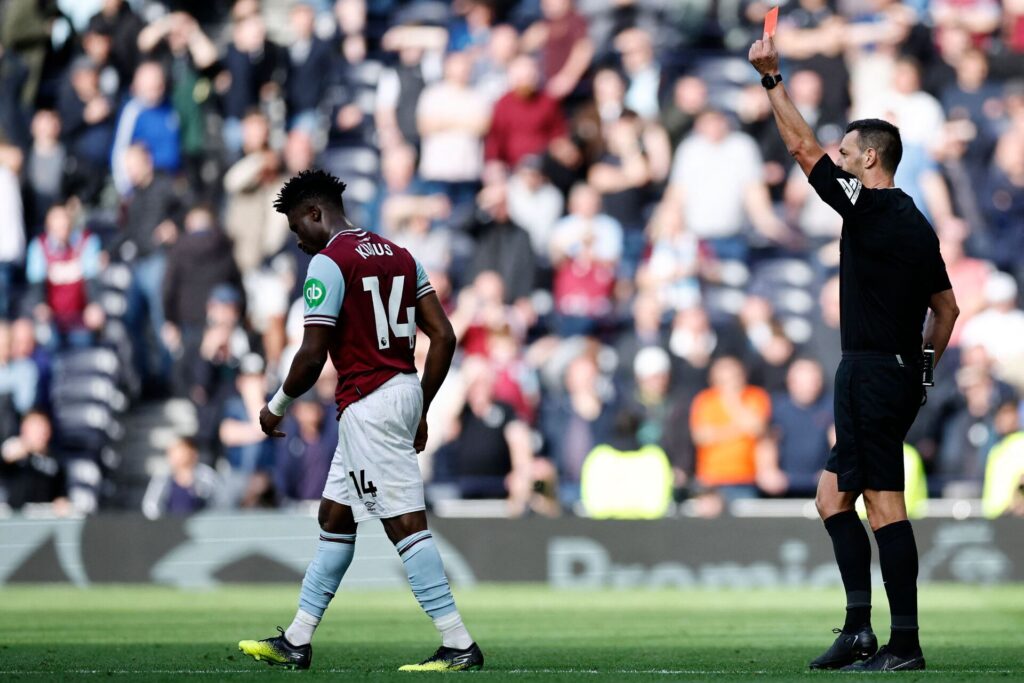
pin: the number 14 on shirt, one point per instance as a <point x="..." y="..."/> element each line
<point x="384" y="321"/>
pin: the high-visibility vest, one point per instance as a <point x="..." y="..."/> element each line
<point x="916" y="484"/>
<point x="626" y="484"/>
<point x="1003" y="473"/>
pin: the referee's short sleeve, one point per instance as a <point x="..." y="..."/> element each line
<point x="938" y="277"/>
<point x="323" y="292"/>
<point x="837" y="188"/>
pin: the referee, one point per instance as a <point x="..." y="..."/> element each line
<point x="890" y="274"/>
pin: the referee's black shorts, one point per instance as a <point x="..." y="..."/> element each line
<point x="877" y="396"/>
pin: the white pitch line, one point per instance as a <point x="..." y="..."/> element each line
<point x="502" y="672"/>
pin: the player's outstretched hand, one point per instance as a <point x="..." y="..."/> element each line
<point x="763" y="56"/>
<point x="269" y="422"/>
<point x="420" y="442"/>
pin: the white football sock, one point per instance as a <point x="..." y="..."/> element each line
<point x="301" y="630"/>
<point x="453" y="631"/>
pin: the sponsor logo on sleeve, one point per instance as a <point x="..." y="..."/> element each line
<point x="851" y="186"/>
<point x="314" y="292"/>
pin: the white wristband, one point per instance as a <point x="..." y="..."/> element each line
<point x="280" y="402"/>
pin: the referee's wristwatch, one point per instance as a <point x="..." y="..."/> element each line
<point x="769" y="81"/>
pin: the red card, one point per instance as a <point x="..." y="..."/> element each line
<point x="770" y="21"/>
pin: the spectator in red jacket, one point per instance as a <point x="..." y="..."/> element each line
<point x="525" y="120"/>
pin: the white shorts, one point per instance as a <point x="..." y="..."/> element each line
<point x="375" y="470"/>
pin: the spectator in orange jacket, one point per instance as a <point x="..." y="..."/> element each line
<point x="727" y="420"/>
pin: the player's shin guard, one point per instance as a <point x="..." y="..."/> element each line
<point x="323" y="576"/>
<point x="853" y="555"/>
<point x="430" y="586"/>
<point x="897" y="555"/>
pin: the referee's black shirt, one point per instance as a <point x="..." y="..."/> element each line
<point x="889" y="264"/>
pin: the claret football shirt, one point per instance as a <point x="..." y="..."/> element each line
<point x="365" y="288"/>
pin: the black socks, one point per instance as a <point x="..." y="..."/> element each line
<point x="897" y="554"/>
<point x="857" y="617"/>
<point x="853" y="555"/>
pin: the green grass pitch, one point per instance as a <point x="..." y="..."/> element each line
<point x="527" y="633"/>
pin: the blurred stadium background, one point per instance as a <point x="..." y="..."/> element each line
<point x="600" y="196"/>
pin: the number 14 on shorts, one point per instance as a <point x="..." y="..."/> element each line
<point x="362" y="486"/>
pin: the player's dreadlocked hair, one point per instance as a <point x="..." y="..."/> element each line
<point x="312" y="184"/>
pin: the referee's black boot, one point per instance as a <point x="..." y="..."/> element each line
<point x="886" y="660"/>
<point x="847" y="649"/>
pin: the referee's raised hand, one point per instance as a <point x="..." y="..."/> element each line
<point x="763" y="56"/>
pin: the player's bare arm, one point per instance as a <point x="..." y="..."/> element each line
<point x="303" y="374"/>
<point x="796" y="134"/>
<point x="431" y="318"/>
<point x="941" y="317"/>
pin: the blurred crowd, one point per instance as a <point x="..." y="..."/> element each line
<point x="643" y="285"/>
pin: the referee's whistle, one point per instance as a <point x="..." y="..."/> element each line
<point x="928" y="366"/>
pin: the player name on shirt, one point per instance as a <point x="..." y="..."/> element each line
<point x="369" y="249"/>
